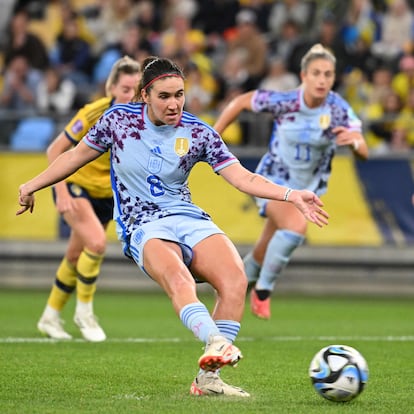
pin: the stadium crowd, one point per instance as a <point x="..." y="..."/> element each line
<point x="56" y="55"/>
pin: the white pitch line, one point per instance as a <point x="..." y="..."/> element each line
<point x="336" y="339"/>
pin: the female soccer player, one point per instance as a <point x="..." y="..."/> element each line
<point x="309" y="124"/>
<point x="154" y="145"/>
<point x="85" y="202"/>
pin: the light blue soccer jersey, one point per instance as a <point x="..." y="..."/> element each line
<point x="150" y="164"/>
<point x="302" y="143"/>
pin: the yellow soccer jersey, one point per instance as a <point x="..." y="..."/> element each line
<point x="95" y="176"/>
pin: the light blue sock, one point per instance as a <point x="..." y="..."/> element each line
<point x="278" y="253"/>
<point x="251" y="267"/>
<point x="196" y="317"/>
<point x="228" y="329"/>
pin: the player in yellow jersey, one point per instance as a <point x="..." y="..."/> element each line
<point x="85" y="202"/>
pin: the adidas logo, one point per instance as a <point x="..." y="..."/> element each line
<point x="156" y="150"/>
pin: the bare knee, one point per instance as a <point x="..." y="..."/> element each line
<point x="97" y="244"/>
<point x="233" y="287"/>
<point x="97" y="248"/>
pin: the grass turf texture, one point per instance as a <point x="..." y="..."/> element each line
<point x="149" y="360"/>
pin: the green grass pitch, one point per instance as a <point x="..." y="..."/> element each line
<point x="149" y="360"/>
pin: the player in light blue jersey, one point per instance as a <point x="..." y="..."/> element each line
<point x="310" y="123"/>
<point x="154" y="145"/>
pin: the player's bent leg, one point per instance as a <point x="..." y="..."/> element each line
<point x="217" y="261"/>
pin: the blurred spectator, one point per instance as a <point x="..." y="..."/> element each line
<point x="356" y="88"/>
<point x="149" y="21"/>
<point x="173" y="8"/>
<point x="25" y="130"/>
<point x="381" y="84"/>
<point x="5" y="16"/>
<point x="71" y="55"/>
<point x="20" y="85"/>
<point x="107" y="21"/>
<point x="55" y="94"/>
<point x="396" y="35"/>
<point x="360" y="23"/>
<point x="234" y="134"/>
<point x="132" y="44"/>
<point x="181" y="37"/>
<point x="363" y="91"/>
<point x="403" y="135"/>
<point x="233" y="74"/>
<point x="299" y="11"/>
<point x="200" y="85"/>
<point x="251" y="46"/>
<point x="290" y="35"/>
<point x="403" y="80"/>
<point x="329" y="36"/>
<point x="381" y="120"/>
<point x="50" y="22"/>
<point x="214" y="17"/>
<point x="19" y="41"/>
<point x="278" y="78"/>
<point x="262" y="10"/>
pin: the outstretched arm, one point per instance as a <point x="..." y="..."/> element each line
<point x="63" y="166"/>
<point x="61" y="144"/>
<point x="308" y="203"/>
<point x="232" y="110"/>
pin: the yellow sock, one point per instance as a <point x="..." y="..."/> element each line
<point x="64" y="285"/>
<point x="88" y="267"/>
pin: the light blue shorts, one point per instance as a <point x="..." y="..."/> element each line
<point x="186" y="231"/>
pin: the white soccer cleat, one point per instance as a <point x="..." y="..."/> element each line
<point x="89" y="327"/>
<point x="52" y="327"/>
<point x="219" y="352"/>
<point x="209" y="383"/>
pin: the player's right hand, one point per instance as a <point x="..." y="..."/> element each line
<point x="26" y="200"/>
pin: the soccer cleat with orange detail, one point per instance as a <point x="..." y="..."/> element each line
<point x="218" y="353"/>
<point x="260" y="308"/>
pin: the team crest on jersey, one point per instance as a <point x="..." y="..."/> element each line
<point x="324" y="121"/>
<point x="154" y="165"/>
<point x="181" y="146"/>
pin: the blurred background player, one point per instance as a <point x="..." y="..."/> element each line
<point x="309" y="124"/>
<point x="85" y="202"/>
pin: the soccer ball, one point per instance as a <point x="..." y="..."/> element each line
<point x="338" y="373"/>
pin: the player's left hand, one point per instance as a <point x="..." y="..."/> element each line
<point x="26" y="200"/>
<point x="310" y="206"/>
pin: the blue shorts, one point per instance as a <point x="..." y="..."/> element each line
<point x="186" y="231"/>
